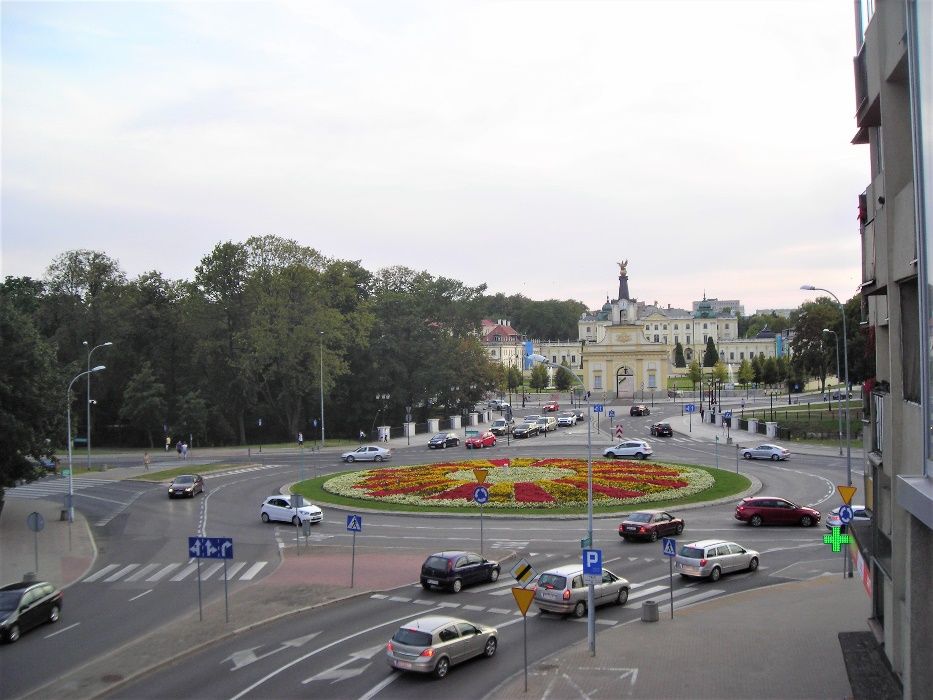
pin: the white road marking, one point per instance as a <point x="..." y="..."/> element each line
<point x="184" y="572"/>
<point x="141" y="595"/>
<point x="125" y="570"/>
<point x="100" y="574"/>
<point x="253" y="570"/>
<point x="376" y="689"/>
<point x="63" y="629"/>
<point x="165" y="571"/>
<point x="142" y="572"/>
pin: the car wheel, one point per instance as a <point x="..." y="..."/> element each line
<point x="377" y="458"/>
<point x="753" y="564"/>
<point x="654" y="536"/>
<point x="579" y="610"/>
<point x="494" y="575"/>
<point x="350" y="458"/>
<point x="13" y="634"/>
<point x="425" y="585"/>
<point x="490" y="648"/>
<point x="639" y="455"/>
<point x="444" y="446"/>
<point x="755" y="521"/>
<point x="457" y="586"/>
<point x="296" y="521"/>
<point x="715" y="574"/>
<point x="746" y="455"/>
<point x="774" y="458"/>
<point x="806" y="521"/>
<point x="622" y="598"/>
<point x="54" y="614"/>
<point x="265" y="517"/>
<point x="443" y="666"/>
<point x="680" y="528"/>
<point x="624" y="537"/>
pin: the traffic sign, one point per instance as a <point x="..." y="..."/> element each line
<point x="727" y="414"/>
<point x="597" y="408"/>
<point x="669" y="546"/>
<point x="592" y="566"/>
<point x="586" y="542"/>
<point x="689" y="408"/>
<point x="480" y="475"/>
<point x="481" y="494"/>
<point x="210" y="547"/>
<point x="612" y="413"/>
<point x="619" y="430"/>
<point x="846" y="515"/>
<point x="35" y="521"/>
<point x="66" y="472"/>
<point x="836" y="539"/>
<point x="354" y="523"/>
<point x="523" y="596"/>
<point x="523" y="572"/>
<point x="846" y="492"/>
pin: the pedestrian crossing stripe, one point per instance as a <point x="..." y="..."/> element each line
<point x="153" y="573"/>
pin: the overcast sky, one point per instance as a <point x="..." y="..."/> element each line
<point x="526" y="145"/>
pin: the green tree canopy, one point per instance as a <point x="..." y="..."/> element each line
<point x="538" y="380"/>
<point x="679" y="359"/>
<point x="710" y="356"/>
<point x="143" y="404"/>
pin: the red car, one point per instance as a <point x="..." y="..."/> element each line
<point x="762" y="510"/>
<point x="486" y="439"/>
<point x="650" y="525"/>
<point x="550" y="406"/>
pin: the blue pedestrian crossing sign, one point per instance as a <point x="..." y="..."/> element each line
<point x="727" y="414"/>
<point x="612" y="414"/>
<point x="354" y="523"/>
<point x="669" y="546"/>
<point x="210" y="547"/>
<point x="597" y="408"/>
<point x="481" y="494"/>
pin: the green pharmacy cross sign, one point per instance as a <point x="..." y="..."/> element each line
<point x="837" y="539"/>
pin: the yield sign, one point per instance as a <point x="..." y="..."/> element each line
<point x="480" y="475"/>
<point x="846" y="492"/>
<point x="619" y="430"/>
<point x="523" y="596"/>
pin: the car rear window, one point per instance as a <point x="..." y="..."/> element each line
<point x="639" y="518"/>
<point x="691" y="552"/>
<point x="552" y="581"/>
<point x="414" y="638"/>
<point x="437" y="563"/>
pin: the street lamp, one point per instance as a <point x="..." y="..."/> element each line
<point x="384" y="398"/>
<point x="590" y="614"/>
<point x="89" y="352"/>
<point x="322" y="389"/>
<point x="836" y="343"/>
<point x="71" y="471"/>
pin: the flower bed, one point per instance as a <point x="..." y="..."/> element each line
<point x="523" y="483"/>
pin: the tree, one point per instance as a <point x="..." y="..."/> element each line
<point x="769" y="371"/>
<point x="695" y="373"/>
<point x="758" y="369"/>
<point x="720" y="372"/>
<point x="515" y="378"/>
<point x="538" y="380"/>
<point x="144" y="402"/>
<point x="813" y="348"/>
<point x="193" y="415"/>
<point x="563" y="380"/>
<point x="679" y="359"/>
<point x="746" y="374"/>
<point x="710" y="356"/>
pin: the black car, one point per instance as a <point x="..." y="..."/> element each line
<point x="444" y="440"/>
<point x="186" y="485"/>
<point x="662" y="430"/>
<point x="454" y="570"/>
<point x="639" y="410"/>
<point x="526" y="430"/>
<point x="25" y="605"/>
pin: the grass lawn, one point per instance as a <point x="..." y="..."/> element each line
<point x="188" y="468"/>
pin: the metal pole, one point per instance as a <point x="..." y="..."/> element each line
<point x="200" y="610"/>
<point x="353" y="559"/>
<point x="226" y="604"/>
<point x="836" y="338"/>
<point x="322" y="389"/>
<point x="481" y="529"/>
<point x="89" y="353"/>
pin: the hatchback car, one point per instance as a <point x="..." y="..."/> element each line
<point x="649" y="525"/>
<point x="551" y="407"/>
<point x="712" y="558"/>
<point x="525" y="430"/>
<point x="454" y="570"/>
<point x="639" y="449"/>
<point x="442" y="441"/>
<point x="764" y="510"/>
<point x="27" y="604"/>
<point x="487" y="439"/>
<point x="434" y="643"/>
<point x="861" y="514"/>
<point x="501" y="426"/>
<point x="580" y="414"/>
<point x="547" y="424"/>
<point x="186" y="485"/>
<point x="367" y="453"/>
<point x="639" y="410"/>
<point x="662" y="430"/>
<point x="567" y="419"/>
<point x="280" y="508"/>
<point x="562" y="590"/>
<point x="766" y="451"/>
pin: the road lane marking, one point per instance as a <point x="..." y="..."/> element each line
<point x="141" y="595"/>
<point x="184" y="572"/>
<point x="63" y="629"/>
<point x="142" y="572"/>
<point x="125" y="570"/>
<point x="100" y="574"/>
<point x="253" y="570"/>
<point x="376" y="689"/>
<point x="231" y="572"/>
<point x="647" y="591"/>
<point x="165" y="571"/>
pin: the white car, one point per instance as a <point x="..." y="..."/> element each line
<point x="861" y="515"/>
<point x="280" y="508"/>
<point x="367" y="453"/>
<point x="639" y="449"/>
<point x="766" y="451"/>
<point x="567" y="419"/>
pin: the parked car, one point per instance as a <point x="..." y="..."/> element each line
<point x="524" y="430"/>
<point x="49" y="464"/>
<point x="547" y="424"/>
<point x="672" y="393"/>
<point x="550" y="407"/>
<point x="766" y="451"/>
<point x="860" y="513"/>
<point x="502" y="426"/>
<point x="434" y="643"/>
<point x="280" y="508"/>
<point x="186" y="485"/>
<point x="639" y="410"/>
<point x="27" y="604"/>
<point x="662" y="430"/>
<point x="454" y="570"/>
<point x="442" y="441"/>
<point x="487" y="439"/>
<point x="639" y="449"/>
<point x="837" y="396"/>
<point x="367" y="453"/>
<point x="712" y="558"/>
<point x="493" y="404"/>
<point x="766" y="510"/>
<point x="562" y="590"/>
<point x="567" y="419"/>
<point x="650" y="525"/>
<point x="580" y="414"/>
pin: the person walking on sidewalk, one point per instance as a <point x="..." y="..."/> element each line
<point x="146" y="461"/>
<point x="362" y="437"/>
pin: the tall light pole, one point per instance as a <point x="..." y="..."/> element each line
<point x="89" y="353"/>
<point x="71" y="471"/>
<point x="836" y="342"/>
<point x="322" y="389"/>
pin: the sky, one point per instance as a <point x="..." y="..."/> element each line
<point x="528" y="146"/>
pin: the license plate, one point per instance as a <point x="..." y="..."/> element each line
<point x="630" y="529"/>
<point x="432" y="582"/>
<point x="403" y="664"/>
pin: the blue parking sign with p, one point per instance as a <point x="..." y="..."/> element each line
<point x="592" y="561"/>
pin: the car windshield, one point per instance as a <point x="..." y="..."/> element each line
<point x="639" y="517"/>
<point x="413" y="638"/>
<point x="9" y="600"/>
<point x="691" y="552"/>
<point x="552" y="581"/>
<point x="440" y="436"/>
<point x="184" y="479"/>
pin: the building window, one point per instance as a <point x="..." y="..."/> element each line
<point x="665" y="327"/>
<point x="731" y="355"/>
<point x="656" y="338"/>
<point x="648" y="327"/>
<point x="652" y="381"/>
<point x="554" y="359"/>
<point x="587" y="329"/>
<point x="676" y="339"/>
<point x="675" y="326"/>
<point x="573" y="359"/>
<point x="741" y="355"/>
<point x="727" y="326"/>
<point x="704" y="326"/>
<point x="597" y="381"/>
<point x="664" y="339"/>
<point x="688" y="340"/>
<point x="910" y="340"/>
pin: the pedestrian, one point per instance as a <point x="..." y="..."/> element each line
<point x="184" y="450"/>
<point x="146" y="461"/>
<point x="385" y="436"/>
<point x="178" y="448"/>
<point x="301" y="439"/>
<point x="168" y="442"/>
<point x="362" y="437"/>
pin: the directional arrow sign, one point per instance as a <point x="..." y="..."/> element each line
<point x="523" y="596"/>
<point x="245" y="657"/>
<point x="338" y="673"/>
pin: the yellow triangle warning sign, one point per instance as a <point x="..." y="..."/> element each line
<point x="523" y="596"/>
<point x="846" y="492"/>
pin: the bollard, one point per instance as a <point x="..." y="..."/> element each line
<point x="649" y="611"/>
<point x="64" y="515"/>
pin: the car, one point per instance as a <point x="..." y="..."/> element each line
<point x="442" y="441"/>
<point x="547" y="424"/>
<point x="649" y="525"/>
<point x="487" y="439"/>
<point x="525" y="430"/>
<point x="837" y="396"/>
<point x="662" y="430"/>
<point x="861" y="514"/>
<point x="531" y="418"/>
<point x="766" y="510"/>
<point x="672" y="393"/>
<point x="27" y="604"/>
<point x="280" y="508"/>
<point x="454" y="570"/>
<point x="562" y="590"/>
<point x="493" y="404"/>
<point x="505" y="407"/>
<point x="766" y="451"/>
<point x="502" y="426"/>
<point x="639" y="449"/>
<point x="639" y="410"/>
<point x="367" y="453"/>
<point x="580" y="414"/>
<point x="49" y="464"/>
<point x="186" y="485"/>
<point x="711" y="559"/>
<point x="567" y="419"/>
<point x="434" y="643"/>
<point x="550" y="407"/>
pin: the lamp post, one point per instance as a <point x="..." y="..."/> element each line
<point x="89" y="353"/>
<point x="71" y="471"/>
<point x="322" y="389"/>
<point x="384" y="398"/>
<point x="836" y="343"/>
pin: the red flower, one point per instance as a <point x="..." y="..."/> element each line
<point x="528" y="492"/>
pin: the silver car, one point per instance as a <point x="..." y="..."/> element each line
<point x="639" y="449"/>
<point x="434" y="643"/>
<point x="367" y="453"/>
<point x="767" y="451"/>
<point x="713" y="558"/>
<point x="562" y="590"/>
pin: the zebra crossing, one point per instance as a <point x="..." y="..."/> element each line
<point x="174" y="572"/>
<point x="54" y="487"/>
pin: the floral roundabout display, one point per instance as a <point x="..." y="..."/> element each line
<point x="523" y="483"/>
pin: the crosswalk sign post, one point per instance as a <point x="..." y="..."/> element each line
<point x="481" y="496"/>
<point x="669" y="550"/>
<point x="354" y="525"/>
